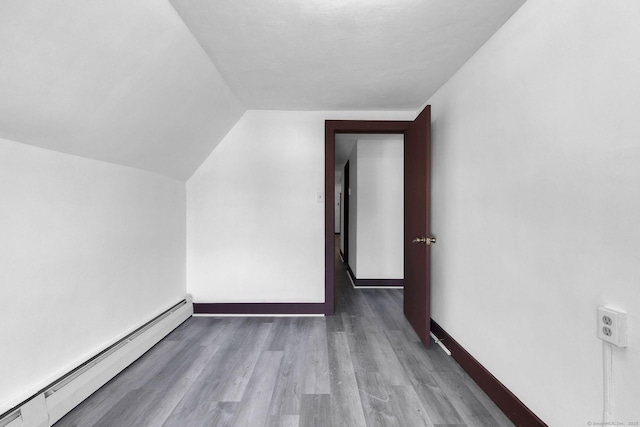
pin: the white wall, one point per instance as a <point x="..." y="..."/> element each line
<point x="352" y="194"/>
<point x="379" y="240"/>
<point x="336" y="202"/>
<point x="127" y="76"/>
<point x="251" y="238"/>
<point x="89" y="251"/>
<point x="536" y="195"/>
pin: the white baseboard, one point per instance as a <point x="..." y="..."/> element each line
<point x="50" y="405"/>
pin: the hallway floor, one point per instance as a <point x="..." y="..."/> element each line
<point x="362" y="367"/>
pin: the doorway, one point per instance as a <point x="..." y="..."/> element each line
<point x="331" y="128"/>
<point x="417" y="135"/>
<point x="372" y="244"/>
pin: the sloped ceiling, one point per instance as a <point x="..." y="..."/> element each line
<point x="118" y="80"/>
<point x="341" y="54"/>
<point x="127" y="82"/>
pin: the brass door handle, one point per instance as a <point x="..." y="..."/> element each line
<point x="426" y="240"/>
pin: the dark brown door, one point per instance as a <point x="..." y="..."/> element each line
<point x="417" y="192"/>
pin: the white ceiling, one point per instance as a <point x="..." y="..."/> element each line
<point x="127" y="82"/>
<point x="118" y="80"/>
<point x="341" y="54"/>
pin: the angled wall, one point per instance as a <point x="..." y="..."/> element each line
<point x="536" y="147"/>
<point x="119" y="81"/>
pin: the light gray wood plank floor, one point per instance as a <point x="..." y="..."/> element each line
<point x="362" y="367"/>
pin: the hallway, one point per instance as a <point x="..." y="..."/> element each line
<point x="362" y="367"/>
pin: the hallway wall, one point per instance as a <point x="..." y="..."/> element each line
<point x="536" y="178"/>
<point x="376" y="218"/>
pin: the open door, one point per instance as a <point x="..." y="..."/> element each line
<point x="417" y="230"/>
<point x="417" y="136"/>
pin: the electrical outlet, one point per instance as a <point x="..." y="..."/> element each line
<point x="612" y="326"/>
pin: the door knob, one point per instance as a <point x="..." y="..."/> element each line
<point x="426" y="240"/>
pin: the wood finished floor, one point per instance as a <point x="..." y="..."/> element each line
<point x="362" y="367"/>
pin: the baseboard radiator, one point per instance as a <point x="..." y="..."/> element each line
<point x="50" y="404"/>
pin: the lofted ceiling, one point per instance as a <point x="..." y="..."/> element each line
<point x="156" y="85"/>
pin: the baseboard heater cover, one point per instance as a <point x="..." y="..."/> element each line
<point x="49" y="405"/>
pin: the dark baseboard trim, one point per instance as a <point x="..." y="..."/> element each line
<point x="259" y="308"/>
<point x="513" y="408"/>
<point x="369" y="283"/>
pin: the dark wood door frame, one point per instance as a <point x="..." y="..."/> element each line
<point x="331" y="127"/>
<point x="344" y="227"/>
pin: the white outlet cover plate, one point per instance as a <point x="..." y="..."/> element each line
<point x="616" y="322"/>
